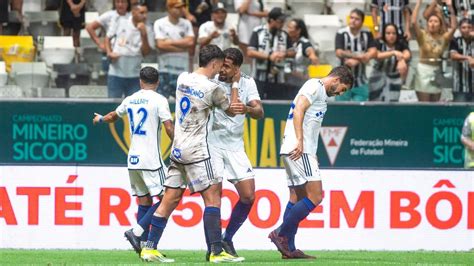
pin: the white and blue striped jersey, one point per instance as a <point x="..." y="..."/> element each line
<point x="227" y="132"/>
<point x="196" y="96"/>
<point x="146" y="111"/>
<point x="315" y="93"/>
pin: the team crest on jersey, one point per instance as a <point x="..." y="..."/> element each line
<point x="177" y="153"/>
<point x="332" y="138"/>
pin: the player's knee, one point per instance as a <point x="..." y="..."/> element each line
<point x="316" y="198"/>
<point x="248" y="199"/>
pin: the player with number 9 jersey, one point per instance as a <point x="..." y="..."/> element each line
<point x="196" y="95"/>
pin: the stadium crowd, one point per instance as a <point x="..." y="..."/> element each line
<point x="395" y="50"/>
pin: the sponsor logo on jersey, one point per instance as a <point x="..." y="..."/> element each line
<point x="332" y="138"/>
<point x="190" y="91"/>
<point x="134" y="159"/>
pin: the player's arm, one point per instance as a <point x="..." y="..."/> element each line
<point x="302" y="104"/>
<point x="465" y="135"/>
<point x="169" y="128"/>
<point x="108" y="118"/>
<point x="467" y="142"/>
<point x="255" y="109"/>
<point x="91" y="28"/>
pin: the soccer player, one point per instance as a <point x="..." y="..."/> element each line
<point x="191" y="165"/>
<point x="146" y="110"/>
<point x="298" y="152"/>
<point x="227" y="145"/>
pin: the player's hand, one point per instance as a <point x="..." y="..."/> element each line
<point x="97" y="118"/>
<point x="297" y="152"/>
<point x="351" y="62"/>
<point x="236" y="77"/>
<point x="398" y="54"/>
<point x="238" y="108"/>
<point x="215" y="34"/>
<point x="113" y="56"/>
<point x="141" y="27"/>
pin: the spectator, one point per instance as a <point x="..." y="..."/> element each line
<point x="432" y="42"/>
<point x="355" y="46"/>
<point x="72" y="18"/>
<point x="461" y="9"/>
<point x="174" y="36"/>
<point x="121" y="8"/>
<point x="218" y="31"/>
<point x="127" y="42"/>
<point x="251" y="13"/>
<point x="391" y="68"/>
<point x="462" y="52"/>
<point x="305" y="52"/>
<point x="395" y="12"/>
<point x="268" y="47"/>
<point x="467" y="139"/>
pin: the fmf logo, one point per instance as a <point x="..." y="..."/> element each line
<point x="332" y="138"/>
<point x="124" y="139"/>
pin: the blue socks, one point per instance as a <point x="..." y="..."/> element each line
<point x="295" y="215"/>
<point x="145" y="220"/>
<point x="239" y="215"/>
<point x="158" y="225"/>
<point x="212" y="229"/>
<point x="291" y="240"/>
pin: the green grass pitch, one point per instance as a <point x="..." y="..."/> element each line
<point x="253" y="257"/>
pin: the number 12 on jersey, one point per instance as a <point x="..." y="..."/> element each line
<point x="142" y="112"/>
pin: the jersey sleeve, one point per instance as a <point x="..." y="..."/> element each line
<point x="453" y="46"/>
<point x="306" y="46"/>
<point x="253" y="44"/>
<point x="339" y="41"/>
<point x="252" y="89"/>
<point x="189" y="28"/>
<point x="102" y="19"/>
<point x="122" y="108"/>
<point x="371" y="41"/>
<point x="203" y="31"/>
<point x="164" y="112"/>
<point x="157" y="29"/>
<point x="219" y="98"/>
<point x="311" y="90"/>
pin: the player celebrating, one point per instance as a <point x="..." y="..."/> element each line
<point x="196" y="95"/>
<point x="146" y="110"/>
<point x="298" y="152"/>
<point x="226" y="139"/>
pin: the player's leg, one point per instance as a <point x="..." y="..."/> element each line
<point x="240" y="173"/>
<point x="175" y="186"/>
<point x="202" y="178"/>
<point x="154" y="181"/>
<point x="139" y="189"/>
<point x="300" y="173"/>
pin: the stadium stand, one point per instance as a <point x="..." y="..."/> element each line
<point x="88" y="91"/>
<point x="44" y="23"/>
<point x="30" y="76"/>
<point x="57" y="50"/>
<point x="68" y="75"/>
<point x="3" y="74"/>
<point x="11" y="91"/>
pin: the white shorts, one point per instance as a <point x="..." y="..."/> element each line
<point x="146" y="182"/>
<point x="235" y="166"/>
<point x="197" y="176"/>
<point x="301" y="171"/>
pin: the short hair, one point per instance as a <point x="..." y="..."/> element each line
<point x="209" y="53"/>
<point x="149" y="75"/>
<point x="129" y="5"/>
<point x="344" y="74"/>
<point x="359" y="13"/>
<point x="235" y="55"/>
<point x="465" y="21"/>
<point x="137" y="4"/>
<point x="301" y="26"/>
